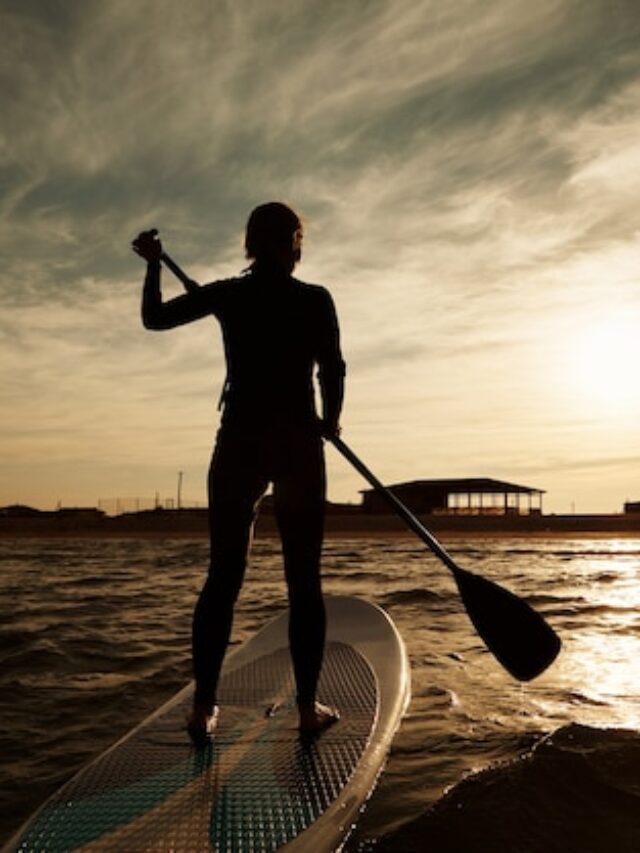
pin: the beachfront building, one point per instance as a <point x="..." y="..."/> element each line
<point x="470" y="496"/>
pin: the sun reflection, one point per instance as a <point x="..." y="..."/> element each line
<point x="595" y="680"/>
<point x="601" y="672"/>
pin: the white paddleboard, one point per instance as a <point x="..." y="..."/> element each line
<point x="258" y="786"/>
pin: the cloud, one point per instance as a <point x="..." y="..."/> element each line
<point x="467" y="173"/>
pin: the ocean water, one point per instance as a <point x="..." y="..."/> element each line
<point x="94" y="635"/>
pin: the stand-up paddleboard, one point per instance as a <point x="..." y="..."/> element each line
<point x="258" y="786"/>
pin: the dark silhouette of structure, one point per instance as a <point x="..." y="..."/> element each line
<point x="467" y="496"/>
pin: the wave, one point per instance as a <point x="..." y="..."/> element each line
<point x="577" y="790"/>
<point x="97" y="634"/>
<point x="410" y="596"/>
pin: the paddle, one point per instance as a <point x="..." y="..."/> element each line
<point x="513" y="631"/>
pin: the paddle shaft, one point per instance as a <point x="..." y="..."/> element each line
<point x="189" y="284"/>
<point x="407" y="516"/>
<point x="404" y="513"/>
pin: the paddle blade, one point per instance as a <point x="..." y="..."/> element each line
<point x="519" y="637"/>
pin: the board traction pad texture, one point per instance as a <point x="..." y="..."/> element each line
<point x="254" y="788"/>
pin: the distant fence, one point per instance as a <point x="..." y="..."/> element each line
<point x="119" y="506"/>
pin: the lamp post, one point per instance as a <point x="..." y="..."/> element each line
<point x="179" y="500"/>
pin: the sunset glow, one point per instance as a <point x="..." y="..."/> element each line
<point x="603" y="361"/>
<point x="468" y="175"/>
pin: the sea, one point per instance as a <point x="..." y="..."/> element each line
<point x="95" y="635"/>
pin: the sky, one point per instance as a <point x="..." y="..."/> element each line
<point x="468" y="174"/>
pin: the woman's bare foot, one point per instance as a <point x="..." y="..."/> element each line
<point x="316" y="717"/>
<point x="202" y="723"/>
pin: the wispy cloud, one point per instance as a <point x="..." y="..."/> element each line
<point x="467" y="173"/>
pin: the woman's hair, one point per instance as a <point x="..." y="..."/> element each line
<point x="271" y="229"/>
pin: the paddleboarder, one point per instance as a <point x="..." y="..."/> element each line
<point x="276" y="331"/>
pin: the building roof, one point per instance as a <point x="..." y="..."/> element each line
<point x="467" y="485"/>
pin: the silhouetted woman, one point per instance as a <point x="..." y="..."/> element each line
<point x="276" y="330"/>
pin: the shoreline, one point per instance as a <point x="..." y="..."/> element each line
<point x="188" y="534"/>
<point x="193" y="525"/>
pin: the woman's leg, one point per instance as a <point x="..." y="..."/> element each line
<point x="299" y="497"/>
<point x="235" y="487"/>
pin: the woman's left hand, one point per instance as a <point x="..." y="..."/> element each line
<point x="147" y="244"/>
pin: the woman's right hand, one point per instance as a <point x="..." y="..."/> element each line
<point x="329" y="429"/>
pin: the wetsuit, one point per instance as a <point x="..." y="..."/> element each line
<point x="276" y="329"/>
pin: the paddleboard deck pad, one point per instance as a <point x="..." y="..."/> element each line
<point x="257" y="785"/>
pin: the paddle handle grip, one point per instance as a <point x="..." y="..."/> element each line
<point x="189" y="284"/>
<point x="407" y="516"/>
